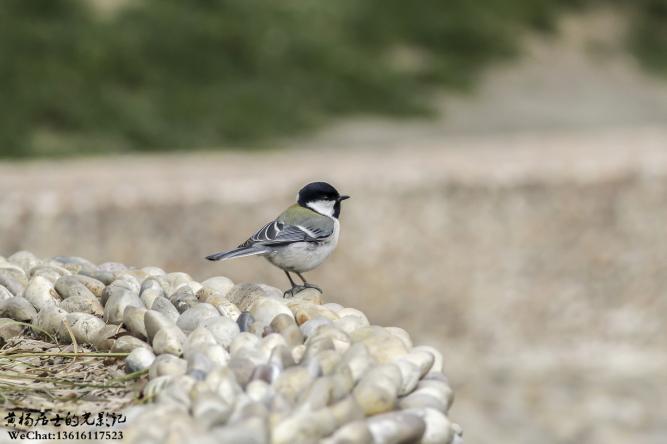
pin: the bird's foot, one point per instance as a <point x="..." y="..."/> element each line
<point x="293" y="291"/>
<point x="313" y="286"/>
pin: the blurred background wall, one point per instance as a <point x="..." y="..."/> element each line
<point x="507" y="162"/>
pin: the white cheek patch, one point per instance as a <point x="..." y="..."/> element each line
<point x="325" y="207"/>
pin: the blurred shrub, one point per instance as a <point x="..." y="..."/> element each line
<point x="168" y="74"/>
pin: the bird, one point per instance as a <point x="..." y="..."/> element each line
<point x="300" y="238"/>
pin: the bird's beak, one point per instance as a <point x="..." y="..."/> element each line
<point x="343" y="198"/>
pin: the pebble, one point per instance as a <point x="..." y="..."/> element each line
<point x="265" y="309"/>
<point x="40" y="292"/>
<point x="127" y="343"/>
<point x="133" y="320"/>
<point x="183" y="298"/>
<point x="8" y="329"/>
<point x="164" y="306"/>
<point x="17" y="308"/>
<point x="236" y="363"/>
<point x="5" y="294"/>
<point x="356" y="432"/>
<point x="170" y="339"/>
<point x="117" y="303"/>
<point x="167" y="365"/>
<point x="439" y="429"/>
<point x="194" y="316"/>
<point x="14" y="282"/>
<point x="220" y="284"/>
<point x="85" y="327"/>
<point x="155" y="321"/>
<point x="224" y="330"/>
<point x="396" y="428"/>
<point x="139" y="359"/>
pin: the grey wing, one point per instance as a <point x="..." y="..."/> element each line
<point x="280" y="233"/>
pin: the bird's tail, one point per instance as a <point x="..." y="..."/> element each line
<point x="237" y="252"/>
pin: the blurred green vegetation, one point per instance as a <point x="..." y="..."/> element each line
<point x="169" y="74"/>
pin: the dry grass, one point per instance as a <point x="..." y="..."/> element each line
<point x="44" y="376"/>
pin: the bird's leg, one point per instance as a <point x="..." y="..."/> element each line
<point x="295" y="288"/>
<point x="307" y="285"/>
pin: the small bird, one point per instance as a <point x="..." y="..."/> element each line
<point x="301" y="238"/>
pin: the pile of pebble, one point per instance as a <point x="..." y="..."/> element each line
<point x="237" y="363"/>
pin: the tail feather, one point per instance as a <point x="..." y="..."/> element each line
<point x="237" y="252"/>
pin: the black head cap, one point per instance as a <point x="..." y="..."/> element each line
<point x="320" y="191"/>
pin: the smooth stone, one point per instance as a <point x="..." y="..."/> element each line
<point x="438" y="359"/>
<point x="12" y="282"/>
<point x="113" y="267"/>
<point x="82" y="304"/>
<point x="355" y="432"/>
<point x="245" y="321"/>
<point x="377" y="391"/>
<point x="402" y="335"/>
<point x="153" y="271"/>
<point x="222" y="380"/>
<point x="5" y="294"/>
<point x="167" y="365"/>
<point x="243" y="369"/>
<point x="154" y="322"/>
<point x="430" y="393"/>
<point x="106" y="277"/>
<point x="133" y="320"/>
<point x="219" y="284"/>
<point x="304" y="311"/>
<point x="271" y="341"/>
<point x="24" y="259"/>
<point x="149" y="296"/>
<point x="127" y="343"/>
<point x="308" y="295"/>
<point x="106" y="338"/>
<point x="197" y="340"/>
<point x="40" y="292"/>
<point x="264" y="310"/>
<point x="183" y="298"/>
<point x="170" y="339"/>
<point x="117" y="303"/>
<point x="439" y="429"/>
<point x="139" y="359"/>
<point x="422" y="359"/>
<point x="211" y="410"/>
<point x="348" y="324"/>
<point x="304" y="427"/>
<point x="49" y="319"/>
<point x="131" y="280"/>
<point x="410" y="375"/>
<point x="17" y="308"/>
<point x="70" y="286"/>
<point x="260" y="391"/>
<point x="151" y="283"/>
<point x="396" y="428"/>
<point x="164" y="306"/>
<point x="383" y="347"/>
<point x="253" y="430"/>
<point x="333" y="306"/>
<point x="244" y="340"/>
<point x="298" y="352"/>
<point x="292" y="382"/>
<point x="117" y="287"/>
<point x="195" y="316"/>
<point x="95" y="286"/>
<point x="293" y="336"/>
<point x="8" y="329"/>
<point x="326" y="360"/>
<point x="177" y="279"/>
<point x="155" y="385"/>
<point x="309" y="327"/>
<point x="245" y="295"/>
<point x="215" y="353"/>
<point x="340" y="339"/>
<point x="224" y="330"/>
<point x="355" y="313"/>
<point x="281" y="357"/>
<point x="85" y="327"/>
<point x="199" y="365"/>
<point x="358" y="360"/>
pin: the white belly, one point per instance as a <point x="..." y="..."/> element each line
<point x="304" y="256"/>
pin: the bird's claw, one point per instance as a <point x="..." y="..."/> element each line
<point x="313" y="286"/>
<point x="293" y="291"/>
